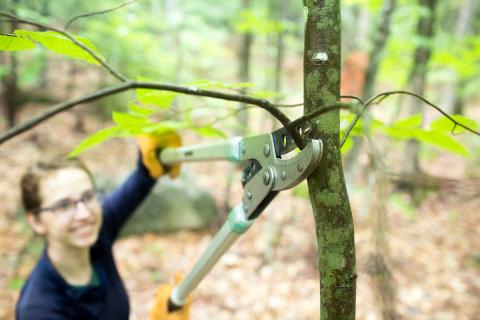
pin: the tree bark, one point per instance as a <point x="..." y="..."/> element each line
<point x="328" y="195"/>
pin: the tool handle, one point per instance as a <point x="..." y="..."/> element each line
<point x="229" y="150"/>
<point x="235" y="225"/>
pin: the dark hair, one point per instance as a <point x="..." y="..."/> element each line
<point x="30" y="182"/>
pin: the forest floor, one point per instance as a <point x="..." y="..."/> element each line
<point x="271" y="272"/>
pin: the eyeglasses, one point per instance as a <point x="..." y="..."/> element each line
<point x="69" y="206"/>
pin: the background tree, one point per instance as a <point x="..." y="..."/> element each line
<point x="418" y="74"/>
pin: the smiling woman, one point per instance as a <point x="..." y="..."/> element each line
<point x="69" y="225"/>
<point x="76" y="276"/>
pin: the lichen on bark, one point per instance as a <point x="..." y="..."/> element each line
<point x="328" y="195"/>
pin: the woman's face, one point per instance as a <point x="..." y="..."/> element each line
<point x="71" y="213"/>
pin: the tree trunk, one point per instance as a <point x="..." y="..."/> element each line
<point x="328" y="195"/>
<point x="10" y="85"/>
<point x="278" y="8"/>
<point x="242" y="117"/>
<point x="374" y="56"/>
<point x="379" y="42"/>
<point x="452" y="97"/>
<point x="43" y="79"/>
<point x="377" y="268"/>
<point x="244" y="70"/>
<point x="418" y="76"/>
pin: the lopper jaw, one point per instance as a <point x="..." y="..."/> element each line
<point x="268" y="171"/>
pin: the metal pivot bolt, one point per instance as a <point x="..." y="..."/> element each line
<point x="266" y="177"/>
<point x="284" y="175"/>
<point x="300" y="167"/>
<point x="266" y="150"/>
<point x="249" y="195"/>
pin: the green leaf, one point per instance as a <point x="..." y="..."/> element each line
<point x="204" y="83"/>
<point x="404" y="128"/>
<point x="129" y="120"/>
<point x="159" y="98"/>
<point x="358" y="129"/>
<point x="264" y="94"/>
<point x="60" y="44"/>
<point x="398" y="133"/>
<point x="11" y="42"/>
<point x="210" y="132"/>
<point x="95" y="139"/>
<point x="442" y="141"/>
<point x="443" y="124"/>
<point x="162" y="99"/>
<point x="241" y="85"/>
<point x="140" y="111"/>
<point x="209" y="84"/>
<point x="410" y="122"/>
<point x="164" y="126"/>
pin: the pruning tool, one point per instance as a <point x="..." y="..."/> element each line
<point x="267" y="171"/>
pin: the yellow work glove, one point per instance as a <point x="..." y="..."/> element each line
<point x="150" y="144"/>
<point x="159" y="310"/>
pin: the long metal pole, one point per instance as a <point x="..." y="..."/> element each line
<point x="236" y="225"/>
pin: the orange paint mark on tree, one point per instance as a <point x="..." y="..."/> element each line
<point x="353" y="73"/>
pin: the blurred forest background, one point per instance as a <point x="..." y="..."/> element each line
<point x="414" y="183"/>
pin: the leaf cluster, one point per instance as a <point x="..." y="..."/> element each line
<point x="440" y="133"/>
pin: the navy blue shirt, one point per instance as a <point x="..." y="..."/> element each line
<point x="46" y="295"/>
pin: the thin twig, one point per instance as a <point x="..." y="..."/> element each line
<point x="288" y="105"/>
<point x="302" y="103"/>
<point x="318" y="112"/>
<point x="97" y="58"/>
<point x="224" y="117"/>
<point x="235" y="111"/>
<point x="50" y="112"/>
<point x="97" y="13"/>
<point x="352" y="97"/>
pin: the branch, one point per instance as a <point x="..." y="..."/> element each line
<point x="13" y="17"/>
<point x="97" y="13"/>
<point x="264" y="104"/>
<point x="359" y="112"/>
<point x="224" y="117"/>
<point x="382" y="96"/>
